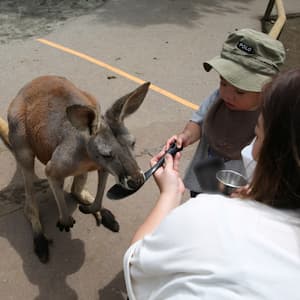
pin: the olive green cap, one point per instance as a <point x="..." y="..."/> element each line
<point x="248" y="59"/>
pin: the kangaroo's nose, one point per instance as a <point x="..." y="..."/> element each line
<point x="135" y="182"/>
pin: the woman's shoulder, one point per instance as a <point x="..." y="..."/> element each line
<point x="209" y="210"/>
<point x="214" y="202"/>
<point x="215" y="209"/>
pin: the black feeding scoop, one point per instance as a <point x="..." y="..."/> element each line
<point x="118" y="191"/>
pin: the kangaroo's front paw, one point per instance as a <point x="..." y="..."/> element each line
<point x="65" y="225"/>
<point x="88" y="209"/>
<point x="109" y="221"/>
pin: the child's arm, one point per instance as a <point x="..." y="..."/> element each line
<point x="192" y="131"/>
<point x="190" y="134"/>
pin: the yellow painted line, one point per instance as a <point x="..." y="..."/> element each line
<point x="119" y="72"/>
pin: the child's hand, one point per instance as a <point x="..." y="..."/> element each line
<point x="167" y="177"/>
<point x="242" y="192"/>
<point x="179" y="139"/>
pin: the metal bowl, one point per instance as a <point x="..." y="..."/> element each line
<point x="229" y="181"/>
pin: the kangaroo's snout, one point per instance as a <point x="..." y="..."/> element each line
<point x="132" y="183"/>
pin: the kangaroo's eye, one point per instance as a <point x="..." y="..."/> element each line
<point x="131" y="141"/>
<point x="107" y="155"/>
<point x="105" y="151"/>
<point x="132" y="144"/>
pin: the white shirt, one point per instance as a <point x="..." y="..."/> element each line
<point x="248" y="160"/>
<point x="217" y="248"/>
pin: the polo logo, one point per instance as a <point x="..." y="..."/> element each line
<point x="246" y="48"/>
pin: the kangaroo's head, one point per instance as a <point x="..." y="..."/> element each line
<point x="109" y="143"/>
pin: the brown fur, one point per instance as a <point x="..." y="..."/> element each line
<point x="60" y="125"/>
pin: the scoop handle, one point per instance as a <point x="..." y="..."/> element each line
<point x="172" y="150"/>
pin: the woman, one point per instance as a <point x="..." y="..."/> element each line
<point x="221" y="248"/>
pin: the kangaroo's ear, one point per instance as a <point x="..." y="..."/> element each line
<point x="83" y="117"/>
<point x="127" y="105"/>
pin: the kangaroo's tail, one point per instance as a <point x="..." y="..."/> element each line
<point x="4" y="133"/>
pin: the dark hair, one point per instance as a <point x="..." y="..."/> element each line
<point x="276" y="179"/>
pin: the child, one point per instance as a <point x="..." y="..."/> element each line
<point x="225" y="120"/>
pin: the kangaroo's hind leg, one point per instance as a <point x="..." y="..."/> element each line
<point x="56" y="182"/>
<point x="25" y="159"/>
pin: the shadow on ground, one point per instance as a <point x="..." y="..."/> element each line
<point x="28" y="18"/>
<point x="180" y="12"/>
<point x="115" y="290"/>
<point x="69" y="254"/>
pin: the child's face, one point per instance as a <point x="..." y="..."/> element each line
<point x="236" y="99"/>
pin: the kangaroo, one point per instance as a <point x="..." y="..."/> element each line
<point x="52" y="120"/>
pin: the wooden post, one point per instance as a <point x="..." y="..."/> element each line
<point x="280" y="21"/>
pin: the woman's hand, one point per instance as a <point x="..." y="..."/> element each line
<point x="167" y="177"/>
<point x="171" y="189"/>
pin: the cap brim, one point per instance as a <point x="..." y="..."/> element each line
<point x="237" y="75"/>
